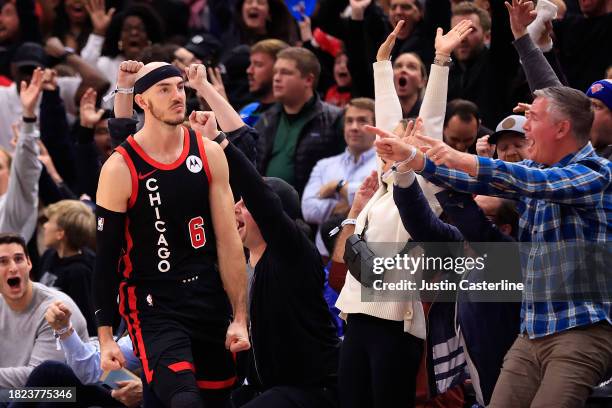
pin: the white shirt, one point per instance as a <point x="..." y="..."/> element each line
<point x="11" y="110"/>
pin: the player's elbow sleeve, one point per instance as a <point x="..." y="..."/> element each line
<point x="109" y="242"/>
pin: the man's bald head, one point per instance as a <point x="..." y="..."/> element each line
<point x="149" y="67"/>
<point x="154" y="73"/>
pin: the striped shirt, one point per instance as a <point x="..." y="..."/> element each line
<point x="563" y="207"/>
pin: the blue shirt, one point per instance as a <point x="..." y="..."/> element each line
<point x="84" y="358"/>
<point x="561" y="206"/>
<point x="317" y="210"/>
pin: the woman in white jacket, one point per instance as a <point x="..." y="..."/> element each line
<point x="383" y="344"/>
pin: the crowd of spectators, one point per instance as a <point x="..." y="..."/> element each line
<point x="456" y="80"/>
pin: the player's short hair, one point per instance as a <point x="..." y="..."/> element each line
<point x="271" y="46"/>
<point x="465" y="8"/>
<point x="76" y="219"/>
<point x="305" y="61"/>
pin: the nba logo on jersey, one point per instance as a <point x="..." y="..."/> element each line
<point x="194" y="164"/>
<point x="150" y="300"/>
<point x="100" y="223"/>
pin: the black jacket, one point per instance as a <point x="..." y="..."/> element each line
<point x="73" y="276"/>
<point x="321" y="137"/>
<point x="293" y="338"/>
<point x="584" y="49"/>
<point x="485" y="79"/>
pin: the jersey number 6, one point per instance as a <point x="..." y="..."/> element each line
<point x="196" y="232"/>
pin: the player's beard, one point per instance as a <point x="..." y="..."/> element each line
<point x="159" y="116"/>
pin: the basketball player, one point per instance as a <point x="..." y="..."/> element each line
<point x="165" y="216"/>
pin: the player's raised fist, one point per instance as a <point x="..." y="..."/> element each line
<point x="128" y="71"/>
<point x="196" y="75"/>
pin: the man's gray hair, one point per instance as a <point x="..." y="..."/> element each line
<point x="565" y="103"/>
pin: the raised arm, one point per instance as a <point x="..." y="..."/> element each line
<point x="21" y="201"/>
<point x="278" y="230"/>
<point x="87" y="158"/>
<point x="582" y="183"/>
<point x="100" y="20"/>
<point x="388" y="110"/>
<point x="538" y="71"/>
<point x="90" y="76"/>
<point x="54" y="130"/>
<point x="229" y="247"/>
<point x="433" y="107"/>
<point x="229" y="120"/>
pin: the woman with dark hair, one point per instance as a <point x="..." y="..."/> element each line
<point x="256" y="20"/>
<point x="72" y="24"/>
<point x="127" y="34"/>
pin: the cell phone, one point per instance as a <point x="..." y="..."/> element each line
<point x="110" y="378"/>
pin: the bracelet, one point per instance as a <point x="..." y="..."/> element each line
<point x="442" y="62"/>
<point x="348" y="221"/>
<point x="126" y="91"/>
<point x="407" y="160"/>
<point x="221" y="137"/>
<point x="60" y="332"/>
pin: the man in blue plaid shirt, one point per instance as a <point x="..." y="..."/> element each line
<point x="565" y="193"/>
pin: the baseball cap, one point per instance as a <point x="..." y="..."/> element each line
<point x="288" y="195"/>
<point x="511" y="124"/>
<point x="206" y="47"/>
<point x="30" y="54"/>
<point x="601" y="90"/>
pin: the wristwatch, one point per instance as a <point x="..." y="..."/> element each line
<point x="340" y="184"/>
<point x="220" y="138"/>
<point x="443" y="62"/>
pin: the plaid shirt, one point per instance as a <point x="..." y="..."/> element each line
<point x="561" y="206"/>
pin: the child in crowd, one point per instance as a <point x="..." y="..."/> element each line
<point x="67" y="264"/>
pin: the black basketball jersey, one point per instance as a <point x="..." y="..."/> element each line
<point x="169" y="234"/>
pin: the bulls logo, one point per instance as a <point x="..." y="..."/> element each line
<point x="194" y="164"/>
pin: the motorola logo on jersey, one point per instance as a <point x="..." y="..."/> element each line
<point x="194" y="164"/>
<point x="163" y="249"/>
